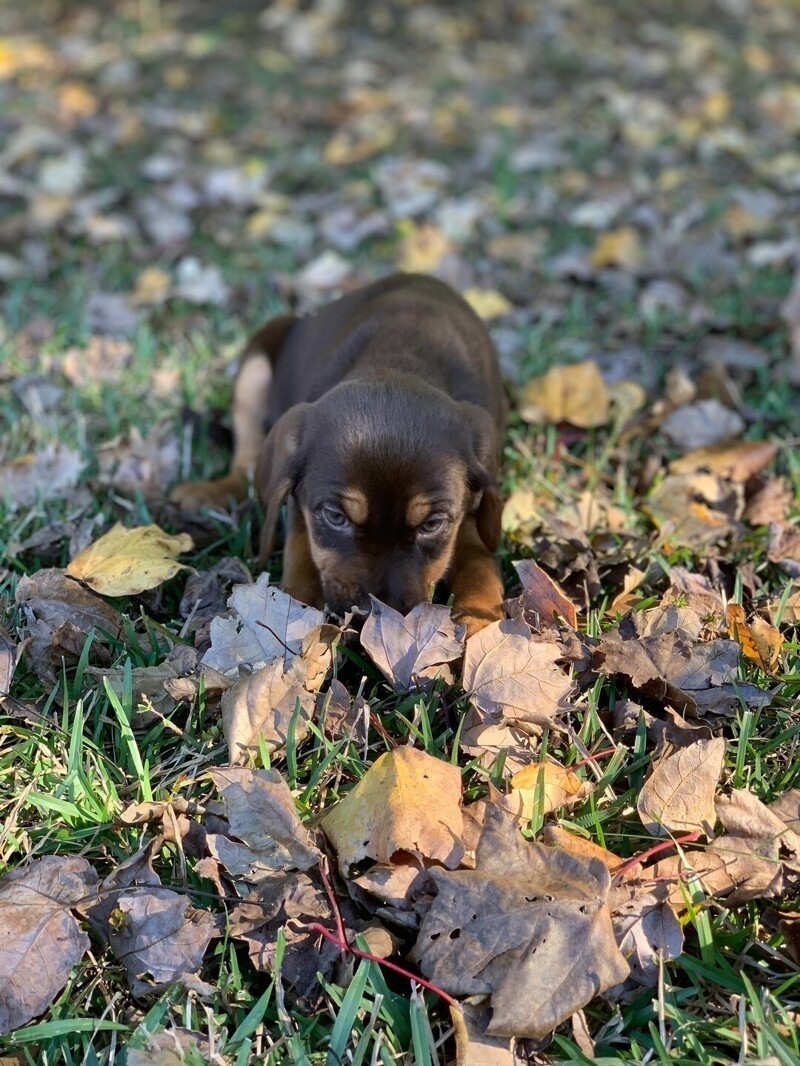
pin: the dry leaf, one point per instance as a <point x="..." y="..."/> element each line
<point x="513" y="678"/>
<point x="41" y="939"/>
<point x="694" y="510"/>
<point x="784" y="547"/>
<point x="390" y="810"/>
<point x="738" y="462"/>
<point x="648" y="932"/>
<point x="39" y="477"/>
<point x="263" y="708"/>
<point x="423" y="249"/>
<point x="487" y="303"/>
<point x="702" y="424"/>
<point x="678" y="797"/>
<point x="576" y="394"/>
<point x="413" y="651"/>
<point x="541" y="788"/>
<point x="543" y="595"/>
<point x="473" y="1046"/>
<point x="268" y="624"/>
<point x="617" y="248"/>
<point x="529" y="926"/>
<point x="557" y="837"/>
<point x="125" y="562"/>
<point x="760" y="641"/>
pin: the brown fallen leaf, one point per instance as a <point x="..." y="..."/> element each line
<point x="124" y="562"/>
<point x="543" y="595"/>
<point x="648" y="932"/>
<point x="59" y="614"/>
<point x="678" y="797"/>
<point x="266" y="707"/>
<point x="529" y="926"/>
<point x="389" y="811"/>
<point x="157" y="934"/>
<point x="557" y="837"/>
<point x="576" y="394"/>
<point x="412" y="651"/>
<point x="38" y="477"/>
<point x="473" y="1046"/>
<point x="784" y="547"/>
<point x="738" y="462"/>
<point x="265" y="835"/>
<point x="512" y="678"/>
<point x="760" y="641"/>
<point x="9" y="653"/>
<point x="694" y="510"/>
<point x="41" y="939"/>
<point x="268" y="624"/>
<point x="769" y="502"/>
<point x="628" y="598"/>
<point x="135" y="464"/>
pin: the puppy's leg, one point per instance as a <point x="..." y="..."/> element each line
<point x="300" y="575"/>
<point x="475" y="580"/>
<point x="250" y="396"/>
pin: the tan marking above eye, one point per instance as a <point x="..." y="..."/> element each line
<point x="355" y="505"/>
<point x="418" y="508"/>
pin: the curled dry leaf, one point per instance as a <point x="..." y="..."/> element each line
<point x="737" y="462"/>
<point x="678" y="797"/>
<point x="473" y="1046"/>
<point x="157" y="932"/>
<point x="412" y="651"/>
<point x="529" y="926"/>
<point x="702" y="425"/>
<point x="263" y="707"/>
<point x="648" y="931"/>
<point x="760" y="641"/>
<point x="576" y="394"/>
<point x="125" y="562"/>
<point x="38" y="477"/>
<point x="268" y="624"/>
<point x="512" y="678"/>
<point x="784" y="547"/>
<point x="540" y="593"/>
<point x="558" y="837"/>
<point x="406" y="802"/>
<point x="41" y="939"/>
<point x="694" y="510"/>
<point x="268" y="834"/>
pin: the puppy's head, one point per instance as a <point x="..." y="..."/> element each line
<point x="384" y="476"/>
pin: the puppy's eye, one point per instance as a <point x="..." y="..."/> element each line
<point x="432" y="525"/>
<point x="335" y="518"/>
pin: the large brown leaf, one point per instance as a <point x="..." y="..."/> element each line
<point x="512" y="678"/>
<point x="264" y="707"/>
<point x="678" y="797"/>
<point x="412" y="651"/>
<point x="41" y="939"/>
<point x="529" y="926"/>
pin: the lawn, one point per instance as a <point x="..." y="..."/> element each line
<point x="616" y="190"/>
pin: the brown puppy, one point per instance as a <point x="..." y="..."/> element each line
<point x="380" y="417"/>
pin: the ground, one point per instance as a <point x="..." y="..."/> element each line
<point x="615" y="188"/>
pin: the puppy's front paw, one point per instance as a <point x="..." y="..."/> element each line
<point x="477" y="618"/>
<point x="194" y="496"/>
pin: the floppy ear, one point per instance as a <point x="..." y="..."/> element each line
<point x="483" y="460"/>
<point x="278" y="470"/>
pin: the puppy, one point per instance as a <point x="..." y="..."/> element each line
<point x="379" y="419"/>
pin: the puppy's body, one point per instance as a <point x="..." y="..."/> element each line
<point x="380" y="417"/>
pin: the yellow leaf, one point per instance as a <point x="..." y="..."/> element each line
<point x="555" y="836"/>
<point x="716" y="106"/>
<point x="124" y="561"/>
<point x="543" y="787"/>
<point x="423" y="249"/>
<point x="487" y="303"/>
<point x="617" y="248"/>
<point x="576" y="394"/>
<point x="406" y="802"/>
<point x="152" y="286"/>
<point x="738" y="461"/>
<point x="760" y="641"/>
<point x="76" y="100"/>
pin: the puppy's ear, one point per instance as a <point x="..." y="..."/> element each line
<point x="483" y="460"/>
<point x="278" y="470"/>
